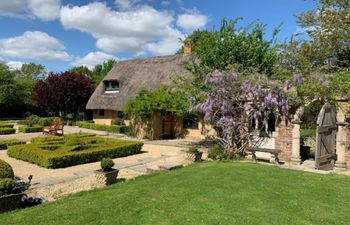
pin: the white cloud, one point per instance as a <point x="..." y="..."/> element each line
<point x="92" y="59"/>
<point x="15" y="64"/>
<point x="33" y="45"/>
<point x="167" y="45"/>
<point x="43" y="9"/>
<point x="125" y="4"/>
<point x="130" y="31"/>
<point x="192" y="21"/>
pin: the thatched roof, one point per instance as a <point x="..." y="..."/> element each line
<point x="134" y="75"/>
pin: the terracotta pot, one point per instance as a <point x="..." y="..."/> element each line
<point x="106" y="177"/>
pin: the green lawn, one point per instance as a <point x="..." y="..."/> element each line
<point x="206" y="193"/>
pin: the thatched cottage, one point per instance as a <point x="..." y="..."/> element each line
<point x="124" y="82"/>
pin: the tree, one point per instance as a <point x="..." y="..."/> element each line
<point x="82" y="70"/>
<point x="101" y="70"/>
<point x="33" y="71"/>
<point x="328" y="48"/>
<point x="63" y="93"/>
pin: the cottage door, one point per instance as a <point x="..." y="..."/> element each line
<point x="325" y="154"/>
<point x="168" y="126"/>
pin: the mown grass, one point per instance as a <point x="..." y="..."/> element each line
<point x="206" y="193"/>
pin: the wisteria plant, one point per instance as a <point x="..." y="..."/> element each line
<point x="231" y="103"/>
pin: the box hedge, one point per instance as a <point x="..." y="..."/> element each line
<point x="5" y="170"/>
<point x="6" y="125"/>
<point x="66" y="156"/>
<point x="5" y="143"/>
<point x="27" y="129"/>
<point x="93" y="126"/>
<point x="6" y="130"/>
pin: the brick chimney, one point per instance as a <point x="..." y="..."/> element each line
<point x="187" y="46"/>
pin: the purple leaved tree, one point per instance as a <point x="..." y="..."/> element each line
<point x="232" y="101"/>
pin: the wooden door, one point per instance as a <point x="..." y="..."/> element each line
<point x="168" y="126"/>
<point x="325" y="155"/>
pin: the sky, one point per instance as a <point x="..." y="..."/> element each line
<point x="61" y="34"/>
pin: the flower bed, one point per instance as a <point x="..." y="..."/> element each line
<point x="69" y="151"/>
<point x="33" y="129"/>
<point x="5" y="143"/>
<point x="7" y="130"/>
<point x="93" y="126"/>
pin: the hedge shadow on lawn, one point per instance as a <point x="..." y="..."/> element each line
<point x="74" y="149"/>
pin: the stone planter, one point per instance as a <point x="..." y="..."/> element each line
<point x="106" y="177"/>
<point x="10" y="202"/>
<point x="194" y="156"/>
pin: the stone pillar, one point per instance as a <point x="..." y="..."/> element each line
<point x="296" y="142"/>
<point x="341" y="141"/>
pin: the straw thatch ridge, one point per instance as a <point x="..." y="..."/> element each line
<point x="134" y="75"/>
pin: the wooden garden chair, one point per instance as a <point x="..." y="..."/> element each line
<point x="56" y="127"/>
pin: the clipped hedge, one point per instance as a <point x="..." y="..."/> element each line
<point x="33" y="129"/>
<point x="6" y="186"/>
<point x="5" y="170"/>
<point x="79" y="135"/>
<point x="5" y="143"/>
<point x="66" y="156"/>
<point x="47" y="140"/>
<point x="93" y="126"/>
<point x="6" y="125"/>
<point x="6" y="130"/>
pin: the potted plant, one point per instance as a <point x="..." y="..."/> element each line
<point x="193" y="154"/>
<point x="107" y="174"/>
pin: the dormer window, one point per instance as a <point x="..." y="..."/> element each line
<point x="111" y="86"/>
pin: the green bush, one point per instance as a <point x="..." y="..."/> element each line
<point x="79" y="135"/>
<point x="216" y="152"/>
<point x="5" y="143"/>
<point x="192" y="149"/>
<point x="6" y="125"/>
<point x="93" y="126"/>
<point x="107" y="164"/>
<point x="305" y="133"/>
<point x="5" y="170"/>
<point x="48" y="140"/>
<point x="66" y="156"/>
<point x="7" y="130"/>
<point x="27" y="129"/>
<point x="6" y="185"/>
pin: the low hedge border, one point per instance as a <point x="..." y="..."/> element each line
<point x="6" y="125"/>
<point x="6" y="130"/>
<point x="65" y="156"/>
<point x="5" y="143"/>
<point x="93" y="126"/>
<point x="33" y="129"/>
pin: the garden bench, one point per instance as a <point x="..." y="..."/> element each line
<point x="273" y="154"/>
<point x="56" y="128"/>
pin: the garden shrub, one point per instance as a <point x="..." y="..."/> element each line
<point x="192" y="149"/>
<point x="7" y="130"/>
<point x="5" y="143"/>
<point x="306" y="133"/>
<point x="6" y="185"/>
<point x="216" y="152"/>
<point x="66" y="156"/>
<point x="5" y="170"/>
<point x="79" y="135"/>
<point x="6" y="125"/>
<point x="47" y="140"/>
<point x="93" y="126"/>
<point x="27" y="129"/>
<point x="107" y="164"/>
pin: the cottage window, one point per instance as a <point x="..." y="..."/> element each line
<point x="111" y="86"/>
<point x="101" y="112"/>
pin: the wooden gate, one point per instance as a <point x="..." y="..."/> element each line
<point x="325" y="155"/>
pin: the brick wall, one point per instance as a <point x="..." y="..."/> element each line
<point x="284" y="140"/>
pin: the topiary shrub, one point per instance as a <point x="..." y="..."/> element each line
<point x="27" y="129"/>
<point x="6" y="125"/>
<point x="5" y="170"/>
<point x="107" y="164"/>
<point x="6" y="130"/>
<point x="6" y="186"/>
<point x="5" y="143"/>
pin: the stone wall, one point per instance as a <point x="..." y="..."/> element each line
<point x="347" y="148"/>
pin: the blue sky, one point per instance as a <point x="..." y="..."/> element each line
<point x="66" y="33"/>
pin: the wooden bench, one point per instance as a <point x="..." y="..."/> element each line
<point x="273" y="154"/>
<point x="56" y="128"/>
